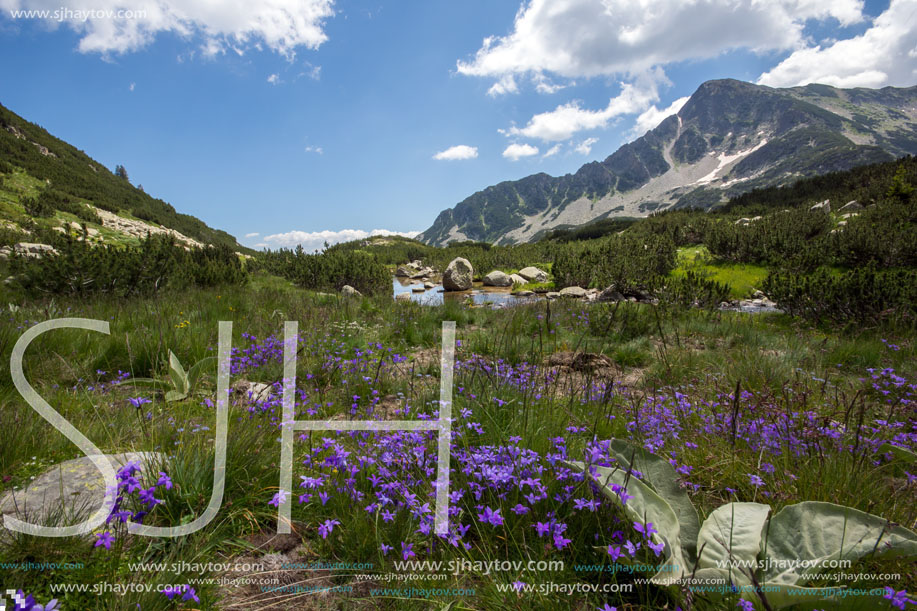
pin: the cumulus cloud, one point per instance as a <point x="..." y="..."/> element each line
<point x="132" y="86"/>
<point x="273" y="79"/>
<point x="587" y="38"/>
<point x="515" y="152"/>
<point x="652" y="117"/>
<point x="585" y="147"/>
<point x="121" y="26"/>
<point x="885" y="54"/>
<point x="506" y="84"/>
<point x="315" y="149"/>
<point x="315" y="240"/>
<point x="459" y="151"/>
<point x="551" y="151"/>
<point x="252" y="235"/>
<point x="568" y="119"/>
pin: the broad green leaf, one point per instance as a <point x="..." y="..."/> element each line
<point x="643" y="506"/>
<point x="814" y="532"/>
<point x="662" y="478"/>
<point x="730" y="540"/>
<point x="175" y="395"/>
<point x="178" y="374"/>
<point x="194" y="374"/>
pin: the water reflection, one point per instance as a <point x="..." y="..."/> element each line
<point x="479" y="294"/>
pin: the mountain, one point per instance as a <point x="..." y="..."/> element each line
<point x="730" y="137"/>
<point x="72" y="188"/>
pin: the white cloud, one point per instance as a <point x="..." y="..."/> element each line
<point x="652" y="117"/>
<point x="273" y="79"/>
<point x="312" y="71"/>
<point x="315" y="240"/>
<point x="131" y="86"/>
<point x="885" y="54"/>
<point x="460" y="151"/>
<point x="515" y="152"/>
<point x="552" y="151"/>
<point x="544" y="85"/>
<point x="315" y="149"/>
<point x="120" y="26"/>
<point x="587" y="38"/>
<point x="585" y="147"/>
<point x="506" y="84"/>
<point x="252" y="235"/>
<point x="567" y="119"/>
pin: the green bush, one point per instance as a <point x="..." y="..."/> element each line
<point x="627" y="261"/>
<point x="156" y="264"/>
<point x="330" y="270"/>
<point x="37" y="207"/>
<point x="862" y="295"/>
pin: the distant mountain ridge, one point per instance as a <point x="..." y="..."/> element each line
<point x="730" y="137"/>
<point x="69" y="171"/>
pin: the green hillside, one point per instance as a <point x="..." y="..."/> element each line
<point x="43" y="174"/>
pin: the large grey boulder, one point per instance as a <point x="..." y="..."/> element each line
<point x="573" y="291"/>
<point x="517" y="279"/>
<point x="533" y="274"/>
<point x="458" y="275"/>
<point x="497" y="278"/>
<point x="72" y="490"/>
<point x="349" y="291"/>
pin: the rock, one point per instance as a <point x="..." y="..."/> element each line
<point x="517" y="279"/>
<point x="403" y="297"/>
<point x="849" y="215"/>
<point x="426" y="272"/>
<point x="573" y="291"/>
<point x="458" y="275"/>
<point x="523" y="293"/>
<point x="552" y="295"/>
<point x="742" y="221"/>
<point x="414" y="269"/>
<point x="74" y="487"/>
<point x="349" y="291"/>
<point x="429" y="285"/>
<point x="824" y="206"/>
<point x="756" y="218"/>
<point x="497" y="278"/>
<point x="533" y="274"/>
<point x="27" y="249"/>
<point x="251" y="392"/>
<point x="610" y="294"/>
<point x="418" y="289"/>
<point x="841" y="223"/>
<point x="851" y="206"/>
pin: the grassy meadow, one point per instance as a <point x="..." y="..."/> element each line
<point x="813" y="408"/>
<point x="651" y="451"/>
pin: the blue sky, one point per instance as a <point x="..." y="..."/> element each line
<point x="306" y="120"/>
